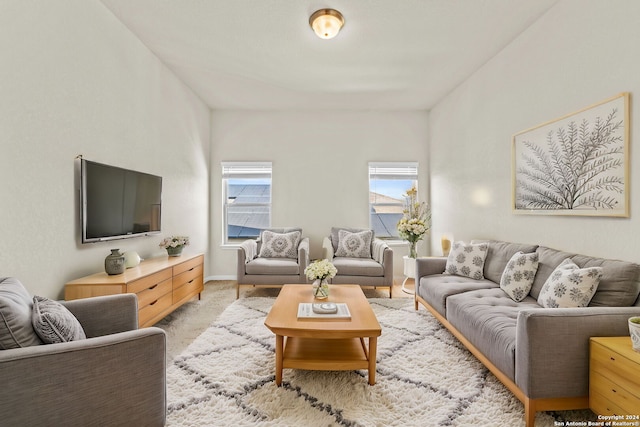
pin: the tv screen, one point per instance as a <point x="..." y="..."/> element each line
<point x="118" y="203"/>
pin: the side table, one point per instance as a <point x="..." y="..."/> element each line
<point x="614" y="377"/>
<point x="409" y="272"/>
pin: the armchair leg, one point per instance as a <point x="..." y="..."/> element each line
<point x="237" y="290"/>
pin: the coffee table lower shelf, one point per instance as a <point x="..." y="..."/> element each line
<point x="324" y="354"/>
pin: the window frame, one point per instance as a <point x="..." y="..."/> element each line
<point x="390" y="171"/>
<point x="243" y="170"/>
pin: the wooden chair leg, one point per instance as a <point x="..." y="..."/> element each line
<point x="237" y="290"/>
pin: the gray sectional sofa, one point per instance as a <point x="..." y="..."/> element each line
<point x="540" y="354"/>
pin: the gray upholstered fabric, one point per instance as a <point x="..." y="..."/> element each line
<point x="499" y="254"/>
<point x="437" y="288"/>
<point x="620" y="282"/>
<point x="548" y="260"/>
<point x="487" y="318"/>
<point x="273" y="266"/>
<point x="54" y="323"/>
<point x="112" y="380"/>
<point x="105" y="315"/>
<point x="15" y="315"/>
<point x="280" y="245"/>
<point x="354" y="245"/>
<point x="358" y="267"/>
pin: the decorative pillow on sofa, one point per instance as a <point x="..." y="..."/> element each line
<point x="467" y="260"/>
<point x="15" y="315"/>
<point x="570" y="286"/>
<point x="54" y="323"/>
<point x="518" y="275"/>
<point x="355" y="245"/>
<point x="279" y="245"/>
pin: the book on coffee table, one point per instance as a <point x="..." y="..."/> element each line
<point x="323" y="311"/>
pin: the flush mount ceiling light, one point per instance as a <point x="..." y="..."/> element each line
<point x="326" y="23"/>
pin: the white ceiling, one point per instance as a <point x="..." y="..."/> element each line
<point x="262" y="54"/>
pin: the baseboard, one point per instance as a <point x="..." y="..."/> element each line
<point x="210" y="278"/>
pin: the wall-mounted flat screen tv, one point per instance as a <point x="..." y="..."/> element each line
<point x="118" y="203"/>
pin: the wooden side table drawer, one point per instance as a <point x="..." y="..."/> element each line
<point x="154" y="308"/>
<point x="613" y="394"/>
<point x="602" y="406"/>
<point x="149" y="281"/>
<point x="187" y="284"/>
<point x="154" y="293"/>
<point x="188" y="265"/>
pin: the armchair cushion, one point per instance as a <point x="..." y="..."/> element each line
<point x="354" y="245"/>
<point x="273" y="266"/>
<point x="54" y="323"/>
<point x="358" y="267"/>
<point x="280" y="245"/>
<point x="15" y="315"/>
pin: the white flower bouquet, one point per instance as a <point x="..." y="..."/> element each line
<point x="416" y="221"/>
<point x="320" y="270"/>
<point x="174" y="242"/>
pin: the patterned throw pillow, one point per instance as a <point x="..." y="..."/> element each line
<point x="467" y="260"/>
<point x="54" y="323"/>
<point x="280" y="245"/>
<point x="518" y="275"/>
<point x="355" y="245"/>
<point x="570" y="286"/>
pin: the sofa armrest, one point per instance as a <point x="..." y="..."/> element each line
<point x="303" y="255"/>
<point x="117" y="379"/>
<point x="327" y="249"/>
<point x="552" y="347"/>
<point x="105" y="315"/>
<point x="429" y="266"/>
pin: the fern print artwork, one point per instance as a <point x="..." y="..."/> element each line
<point x="576" y="165"/>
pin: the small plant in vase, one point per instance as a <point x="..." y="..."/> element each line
<point x="416" y="221"/>
<point x="320" y="271"/>
<point x="174" y="244"/>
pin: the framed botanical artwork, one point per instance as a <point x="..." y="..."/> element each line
<point x="575" y="165"/>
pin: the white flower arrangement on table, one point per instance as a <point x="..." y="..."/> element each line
<point x="320" y="270"/>
<point x="174" y="241"/>
<point x="416" y="222"/>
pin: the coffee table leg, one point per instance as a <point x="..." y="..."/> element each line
<point x="279" y="354"/>
<point x="373" y="350"/>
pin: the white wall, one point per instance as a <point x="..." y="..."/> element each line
<point x="74" y="80"/>
<point x="579" y="53"/>
<point x="320" y="167"/>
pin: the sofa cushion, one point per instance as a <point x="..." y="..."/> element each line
<point x="54" y="323"/>
<point x="335" y="238"/>
<point x="467" y="260"/>
<point x="570" y="286"/>
<point x="15" y="315"/>
<point x="437" y="288"/>
<point x="498" y="255"/>
<point x="548" y="260"/>
<point x="280" y="245"/>
<point x="518" y="275"/>
<point x="272" y="266"/>
<point x="620" y="282"/>
<point x="275" y="230"/>
<point x="354" y="245"/>
<point x="348" y="266"/>
<point x="488" y="318"/>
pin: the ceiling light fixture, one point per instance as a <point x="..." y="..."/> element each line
<point x="326" y="23"/>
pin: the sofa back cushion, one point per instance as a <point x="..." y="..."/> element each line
<point x="15" y="315"/>
<point x="499" y="254"/>
<point x="620" y="282"/>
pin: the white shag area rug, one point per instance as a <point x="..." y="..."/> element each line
<point x="425" y="377"/>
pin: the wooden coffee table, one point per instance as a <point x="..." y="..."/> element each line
<point x="325" y="344"/>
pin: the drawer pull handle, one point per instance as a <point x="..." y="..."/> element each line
<point x="191" y="281"/>
<point x="153" y="302"/>
<point x="191" y="269"/>
<point x="614" y="390"/>
<point x="612" y="358"/>
<point x="154" y="286"/>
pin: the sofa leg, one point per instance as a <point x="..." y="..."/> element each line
<point x="529" y="412"/>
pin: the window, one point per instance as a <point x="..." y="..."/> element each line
<point x="388" y="182"/>
<point x="246" y="188"/>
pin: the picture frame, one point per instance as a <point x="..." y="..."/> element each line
<point x="577" y="164"/>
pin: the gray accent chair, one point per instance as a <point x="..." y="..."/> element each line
<point x="376" y="272"/>
<point x="115" y="377"/>
<point x="253" y="270"/>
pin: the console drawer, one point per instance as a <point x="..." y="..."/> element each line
<point x="154" y="308"/>
<point x="188" y="265"/>
<point x="611" y="392"/>
<point x="149" y="281"/>
<point x="154" y="293"/>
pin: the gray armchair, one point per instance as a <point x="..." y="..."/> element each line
<point x="274" y="259"/>
<point x="375" y="270"/>
<point x="115" y="377"/>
